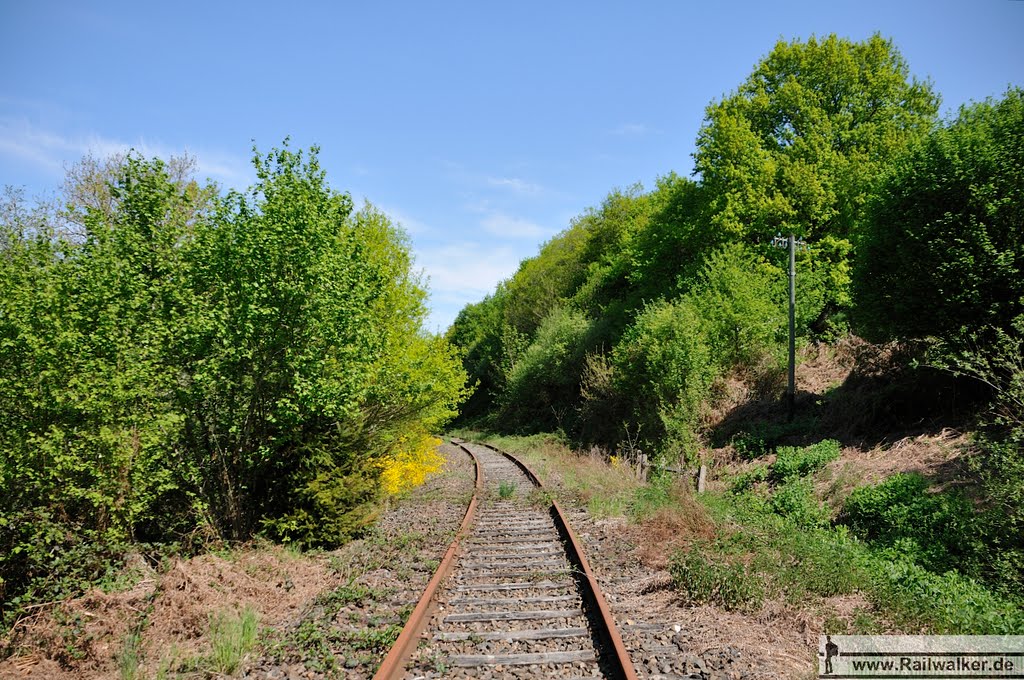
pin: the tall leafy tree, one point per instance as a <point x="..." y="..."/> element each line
<point x="800" y="144"/>
<point x="944" y="252"/>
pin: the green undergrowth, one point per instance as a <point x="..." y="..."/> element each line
<point x="915" y="554"/>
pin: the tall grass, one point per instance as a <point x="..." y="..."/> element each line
<point x="232" y="636"/>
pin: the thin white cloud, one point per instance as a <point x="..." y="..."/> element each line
<point x="461" y="273"/>
<point x="52" y="151"/>
<point x="411" y="225"/>
<point x="467" y="270"/>
<point x="506" y="226"/>
<point x="519" y="186"/>
<point x="632" y="129"/>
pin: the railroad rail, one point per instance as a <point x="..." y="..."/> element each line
<point x="514" y="594"/>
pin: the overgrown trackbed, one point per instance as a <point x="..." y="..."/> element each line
<point x="514" y="597"/>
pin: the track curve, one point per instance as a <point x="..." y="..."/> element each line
<point x="519" y="601"/>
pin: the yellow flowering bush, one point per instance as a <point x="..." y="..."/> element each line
<point x="413" y="459"/>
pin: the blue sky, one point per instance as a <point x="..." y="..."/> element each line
<point x="482" y="127"/>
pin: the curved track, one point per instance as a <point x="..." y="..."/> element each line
<point x="514" y="596"/>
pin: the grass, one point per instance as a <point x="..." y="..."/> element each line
<point x="581" y="479"/>
<point x="762" y="541"/>
<point x="129" y="657"/>
<point x="232" y="636"/>
<point x="506" y="490"/>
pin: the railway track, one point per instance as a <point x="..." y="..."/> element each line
<point x="514" y="596"/>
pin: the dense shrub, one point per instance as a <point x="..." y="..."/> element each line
<point x="943" y="246"/>
<point x="663" y="369"/>
<point x="792" y="461"/>
<point x="938" y="530"/>
<point x="946" y="603"/>
<point x="544" y="381"/>
<point x="176" y="363"/>
<point x="740" y="297"/>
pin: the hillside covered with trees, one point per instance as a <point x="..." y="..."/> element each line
<point x="620" y="332"/>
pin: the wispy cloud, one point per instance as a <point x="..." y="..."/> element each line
<point x="507" y="226"/>
<point x="52" y="151"/>
<point x="412" y="226"/>
<point x="519" y="186"/>
<point x="463" y="272"/>
<point x="632" y="130"/>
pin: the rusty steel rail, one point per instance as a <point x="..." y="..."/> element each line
<point x="620" y="661"/>
<point x="393" y="664"/>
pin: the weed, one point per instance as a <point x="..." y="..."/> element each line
<point x="761" y="438"/>
<point x="374" y="639"/>
<point x="702" y="579"/>
<point x="795" y="499"/>
<point x="747" y="480"/>
<point x="865" y="624"/>
<point x="541" y="498"/>
<point x="650" y="498"/>
<point x="797" y="462"/>
<point x="506" y="490"/>
<point x="128" y="658"/>
<point x="75" y="640"/>
<point x="947" y="603"/>
<point x="937" y="530"/>
<point x="350" y="593"/>
<point x="232" y="636"/>
<point x="440" y="665"/>
<point x="168" y="664"/>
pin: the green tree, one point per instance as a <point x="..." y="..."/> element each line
<point x="799" y="146"/>
<point x="943" y="253"/>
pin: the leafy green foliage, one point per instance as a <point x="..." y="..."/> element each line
<point x="946" y="603"/>
<point x="800" y="559"/>
<point x="943" y="249"/>
<point x="798" y="147"/>
<point x="937" y="530"/>
<point x="546" y="377"/>
<point x="792" y="461"/>
<point x="663" y="368"/>
<point x="176" y="362"/>
<point x="794" y="499"/>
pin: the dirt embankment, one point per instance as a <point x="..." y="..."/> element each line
<point x="319" y="614"/>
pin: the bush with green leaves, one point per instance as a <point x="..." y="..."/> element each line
<point x="938" y="530"/>
<point x="663" y="370"/>
<point x="794" y="461"/>
<point x="795" y="500"/>
<point x="544" y="382"/>
<point x="177" y="363"/>
<point x="942" y="250"/>
<point x="740" y="296"/>
<point x="947" y="603"/>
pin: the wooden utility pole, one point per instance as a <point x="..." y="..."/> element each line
<point x="791" y="394"/>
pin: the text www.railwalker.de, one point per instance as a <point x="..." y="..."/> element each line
<point x="921" y="656"/>
<point x="960" y="664"/>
